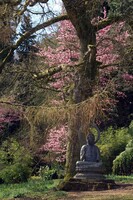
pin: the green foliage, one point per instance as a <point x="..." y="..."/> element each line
<point x="55" y="171"/>
<point x="46" y="173"/>
<point x="35" y="187"/>
<point x="15" y="162"/>
<point x="120" y="179"/>
<point x="121" y="7"/>
<point x="131" y="128"/>
<point x="123" y="164"/>
<point x="113" y="142"/>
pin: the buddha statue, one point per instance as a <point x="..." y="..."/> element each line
<point x="89" y="152"/>
<point x="90" y="164"/>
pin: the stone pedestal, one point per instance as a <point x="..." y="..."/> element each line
<point x="89" y="177"/>
<point x="90" y="172"/>
<point x="92" y="177"/>
<point x="87" y="185"/>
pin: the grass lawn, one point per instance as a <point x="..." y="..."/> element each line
<point x="37" y="187"/>
<point x="32" y="188"/>
<point x="121" y="179"/>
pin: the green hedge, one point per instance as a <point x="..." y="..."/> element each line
<point x="112" y="143"/>
<point x="123" y="164"/>
<point x="15" y="162"/>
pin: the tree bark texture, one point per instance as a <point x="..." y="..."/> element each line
<point x="84" y="77"/>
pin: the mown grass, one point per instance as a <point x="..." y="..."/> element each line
<point x="32" y="188"/>
<point x="36" y="187"/>
<point x="121" y="179"/>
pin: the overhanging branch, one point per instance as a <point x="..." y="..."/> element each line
<point x="106" y="22"/>
<point x="109" y="65"/>
<point x="26" y="35"/>
<point x="11" y="2"/>
<point x="41" y="26"/>
<point x="48" y="73"/>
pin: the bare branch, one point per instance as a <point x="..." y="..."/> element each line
<point x="33" y="2"/>
<point x="41" y="26"/>
<point x="26" y="35"/>
<point x="48" y="72"/>
<point x="5" y="60"/>
<point x="106" y="22"/>
<point x="11" y="2"/>
<point x="11" y="103"/>
<point x="24" y="7"/>
<point x="108" y="65"/>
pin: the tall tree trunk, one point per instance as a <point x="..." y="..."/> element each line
<point x="84" y="80"/>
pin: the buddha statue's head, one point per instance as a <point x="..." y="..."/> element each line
<point x="90" y="138"/>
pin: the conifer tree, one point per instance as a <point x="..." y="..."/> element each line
<point x="27" y="47"/>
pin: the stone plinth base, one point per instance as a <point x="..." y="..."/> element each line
<point x="89" y="172"/>
<point x="90" y="176"/>
<point x="86" y="185"/>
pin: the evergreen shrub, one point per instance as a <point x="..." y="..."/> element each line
<point x="47" y="174"/>
<point x="15" y="162"/>
<point x="112" y="143"/>
<point x="123" y="164"/>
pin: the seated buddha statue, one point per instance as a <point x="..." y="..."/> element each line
<point x="90" y="153"/>
<point x="90" y="164"/>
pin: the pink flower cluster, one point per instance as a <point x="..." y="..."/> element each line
<point x="107" y="39"/>
<point x="67" y="50"/>
<point x="65" y="53"/>
<point x="56" y="143"/>
<point x="111" y="42"/>
<point x="127" y="77"/>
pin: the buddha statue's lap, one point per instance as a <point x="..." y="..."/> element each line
<point x="88" y="164"/>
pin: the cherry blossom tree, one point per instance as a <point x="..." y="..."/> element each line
<point x="56" y="144"/>
<point x="81" y="14"/>
<point x="67" y="52"/>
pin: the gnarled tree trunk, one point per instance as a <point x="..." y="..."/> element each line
<point x="85" y="76"/>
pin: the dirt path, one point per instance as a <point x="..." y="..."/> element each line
<point x="123" y="192"/>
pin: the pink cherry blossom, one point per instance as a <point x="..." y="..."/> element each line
<point x="56" y="143"/>
<point x="110" y="42"/>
